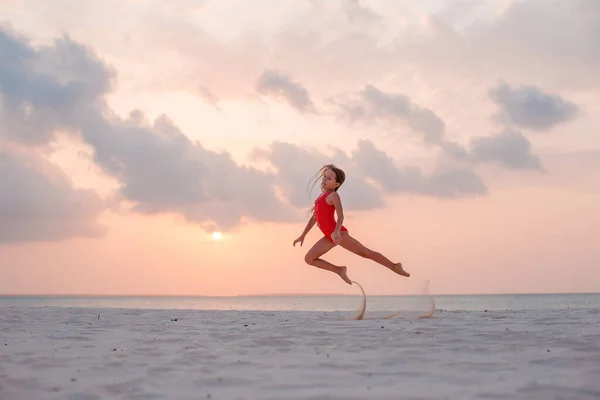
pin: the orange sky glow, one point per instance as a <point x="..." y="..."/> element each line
<point x="470" y="144"/>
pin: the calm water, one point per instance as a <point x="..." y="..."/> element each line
<point x="320" y="303"/>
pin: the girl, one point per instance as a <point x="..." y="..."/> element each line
<point x="335" y="233"/>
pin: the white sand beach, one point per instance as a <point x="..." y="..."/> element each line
<point x="88" y="353"/>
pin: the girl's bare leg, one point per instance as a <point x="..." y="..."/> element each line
<point x="321" y="247"/>
<point x="353" y="245"/>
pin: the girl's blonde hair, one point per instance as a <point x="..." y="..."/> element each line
<point x="340" y="177"/>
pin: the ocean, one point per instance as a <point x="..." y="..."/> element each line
<point x="324" y="303"/>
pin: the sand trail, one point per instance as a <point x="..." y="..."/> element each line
<point x="360" y="315"/>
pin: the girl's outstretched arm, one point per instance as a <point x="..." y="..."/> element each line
<point x="311" y="222"/>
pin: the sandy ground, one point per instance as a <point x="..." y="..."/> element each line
<point x="86" y="353"/>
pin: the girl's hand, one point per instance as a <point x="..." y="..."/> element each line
<point x="336" y="236"/>
<point x="300" y="239"/>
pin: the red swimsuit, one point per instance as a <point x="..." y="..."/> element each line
<point x="324" y="216"/>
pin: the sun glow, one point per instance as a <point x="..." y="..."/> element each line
<point x="217" y="235"/>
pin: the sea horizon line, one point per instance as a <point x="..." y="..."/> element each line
<point x="83" y="295"/>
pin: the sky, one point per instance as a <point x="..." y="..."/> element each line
<point x="132" y="130"/>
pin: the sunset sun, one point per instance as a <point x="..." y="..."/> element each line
<point x="217" y="235"/>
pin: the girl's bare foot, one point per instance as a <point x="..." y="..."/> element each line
<point x="344" y="275"/>
<point x="399" y="270"/>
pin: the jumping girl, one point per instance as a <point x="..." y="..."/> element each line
<point x="335" y="233"/>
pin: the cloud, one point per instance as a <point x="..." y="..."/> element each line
<point x="476" y="42"/>
<point x="41" y="91"/>
<point x="526" y="34"/>
<point x="357" y="13"/>
<point x="162" y="171"/>
<point x="529" y="107"/>
<point x="446" y="180"/>
<point x="372" y="105"/>
<point x="159" y="168"/>
<point x="39" y="203"/>
<point x="296" y="164"/>
<point x="370" y="175"/>
<point x="508" y="148"/>
<point x="62" y="87"/>
<point x="209" y="96"/>
<point x="280" y="85"/>
<point x="48" y="88"/>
